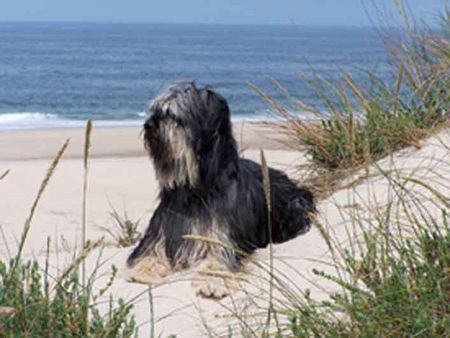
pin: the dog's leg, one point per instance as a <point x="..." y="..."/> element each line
<point x="214" y="280"/>
<point x="148" y="263"/>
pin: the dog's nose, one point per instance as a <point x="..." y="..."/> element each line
<point x="149" y="124"/>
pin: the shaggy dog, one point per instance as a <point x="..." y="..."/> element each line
<point x="207" y="190"/>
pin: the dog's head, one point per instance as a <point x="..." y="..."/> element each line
<point x="189" y="138"/>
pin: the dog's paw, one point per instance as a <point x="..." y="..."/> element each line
<point x="215" y="281"/>
<point x="217" y="284"/>
<point x="212" y="288"/>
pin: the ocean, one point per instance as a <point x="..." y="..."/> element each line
<point x="61" y="74"/>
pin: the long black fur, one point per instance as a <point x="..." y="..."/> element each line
<point x="228" y="189"/>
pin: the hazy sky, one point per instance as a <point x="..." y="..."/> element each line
<point x="302" y="12"/>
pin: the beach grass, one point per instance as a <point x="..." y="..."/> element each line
<point x="367" y="121"/>
<point x="33" y="303"/>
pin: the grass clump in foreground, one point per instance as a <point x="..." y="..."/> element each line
<point x="392" y="281"/>
<point x="66" y="309"/>
<point x="33" y="303"/>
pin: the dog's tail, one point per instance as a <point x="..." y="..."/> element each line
<point x="292" y="215"/>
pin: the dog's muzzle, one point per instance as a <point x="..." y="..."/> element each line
<point x="149" y="124"/>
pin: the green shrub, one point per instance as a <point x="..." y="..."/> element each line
<point x="65" y="310"/>
<point x="401" y="293"/>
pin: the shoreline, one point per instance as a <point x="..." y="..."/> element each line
<point x="56" y="123"/>
<point x="120" y="141"/>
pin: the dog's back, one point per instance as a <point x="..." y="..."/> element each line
<point x="291" y="206"/>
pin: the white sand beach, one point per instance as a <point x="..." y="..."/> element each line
<point x="121" y="176"/>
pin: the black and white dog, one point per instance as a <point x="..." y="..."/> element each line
<point x="207" y="190"/>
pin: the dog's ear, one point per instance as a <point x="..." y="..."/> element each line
<point x="218" y="157"/>
<point x="217" y="150"/>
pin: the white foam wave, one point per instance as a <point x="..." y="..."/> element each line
<point x="36" y="120"/>
<point x="25" y="116"/>
<point x="27" y="120"/>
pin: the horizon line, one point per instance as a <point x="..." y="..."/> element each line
<point x="331" y="25"/>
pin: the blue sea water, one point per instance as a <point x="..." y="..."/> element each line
<point x="60" y="74"/>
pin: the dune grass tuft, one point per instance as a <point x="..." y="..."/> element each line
<point x="124" y="231"/>
<point x="366" y="121"/>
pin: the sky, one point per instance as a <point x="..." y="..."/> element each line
<point x="301" y="12"/>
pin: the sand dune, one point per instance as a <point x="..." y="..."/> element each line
<point x="121" y="176"/>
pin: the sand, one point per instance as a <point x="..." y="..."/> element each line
<point x="108" y="142"/>
<point x="121" y="176"/>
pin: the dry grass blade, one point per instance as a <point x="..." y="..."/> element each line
<point x="87" y="145"/>
<point x="79" y="259"/>
<point x="398" y="85"/>
<point x="357" y="92"/>
<point x="443" y="199"/>
<point x="2" y="176"/>
<point x="152" y="311"/>
<point x="222" y="274"/>
<point x="215" y="242"/>
<point x="47" y="179"/>
<point x="204" y="239"/>
<point x="266" y="186"/>
<point x="6" y="311"/>
<point x="41" y="190"/>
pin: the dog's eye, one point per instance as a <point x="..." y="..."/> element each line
<point x="179" y="122"/>
<point x="169" y="116"/>
<point x="157" y="112"/>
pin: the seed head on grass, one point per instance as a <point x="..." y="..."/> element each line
<point x="28" y="221"/>
<point x="87" y="146"/>
<point x="3" y="175"/>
